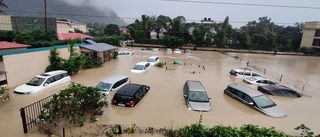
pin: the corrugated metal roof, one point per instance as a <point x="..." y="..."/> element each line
<point x="66" y="36"/>
<point x="11" y="45"/>
<point x="99" y="47"/>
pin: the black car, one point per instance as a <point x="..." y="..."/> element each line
<point x="279" y="90"/>
<point x="129" y="95"/>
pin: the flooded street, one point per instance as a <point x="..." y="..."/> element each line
<point x="164" y="105"/>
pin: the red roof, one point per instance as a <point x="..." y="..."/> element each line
<point x="66" y="36"/>
<point x="11" y="45"/>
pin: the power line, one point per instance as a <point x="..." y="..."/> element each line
<point x="239" y="4"/>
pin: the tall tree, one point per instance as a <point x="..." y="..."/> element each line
<point x="199" y="35"/>
<point x="112" y="29"/>
<point x="221" y="35"/>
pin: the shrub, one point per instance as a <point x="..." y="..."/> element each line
<point x="4" y="93"/>
<point x="74" y="103"/>
<point x="160" y="65"/>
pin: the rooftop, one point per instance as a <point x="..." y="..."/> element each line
<point x="11" y="45"/>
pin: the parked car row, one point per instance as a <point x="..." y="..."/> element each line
<point x="145" y="65"/>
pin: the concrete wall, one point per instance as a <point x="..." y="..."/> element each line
<point x="5" y="23"/>
<point x="62" y="27"/>
<point x="23" y="67"/>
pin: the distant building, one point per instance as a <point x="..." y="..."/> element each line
<point x="206" y="22"/>
<point x="67" y="26"/>
<point x="311" y="35"/>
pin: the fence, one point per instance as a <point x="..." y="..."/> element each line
<point x="30" y="114"/>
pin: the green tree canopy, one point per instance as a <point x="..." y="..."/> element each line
<point x="112" y="29"/>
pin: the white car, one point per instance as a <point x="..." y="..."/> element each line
<point x="242" y="73"/>
<point x="169" y="50"/>
<point x="44" y="81"/>
<point x="113" y="83"/>
<point x="257" y="80"/>
<point x="140" y="67"/>
<point x="153" y="60"/>
<point x="176" y="50"/>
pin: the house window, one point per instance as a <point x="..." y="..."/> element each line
<point x="316" y="42"/>
<point x="317" y="33"/>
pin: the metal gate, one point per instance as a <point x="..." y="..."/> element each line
<point x="30" y="114"/>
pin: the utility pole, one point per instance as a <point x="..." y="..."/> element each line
<point x="45" y="15"/>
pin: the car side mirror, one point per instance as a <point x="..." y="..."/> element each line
<point x="251" y="103"/>
<point x="209" y="98"/>
<point x="185" y="96"/>
<point x="45" y="84"/>
<point x="112" y="89"/>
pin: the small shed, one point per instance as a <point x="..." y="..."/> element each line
<point x="103" y="50"/>
<point x="5" y="46"/>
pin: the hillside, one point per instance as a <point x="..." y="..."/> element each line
<point x="61" y="10"/>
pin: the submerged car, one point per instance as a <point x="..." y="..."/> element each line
<point x="257" y="80"/>
<point x="176" y="50"/>
<point x="153" y="60"/>
<point x="187" y="51"/>
<point x="195" y="96"/>
<point x="255" y="100"/>
<point x="44" y="81"/>
<point x="129" y="95"/>
<point x="113" y="83"/>
<point x="279" y="90"/>
<point x="140" y="67"/>
<point x="242" y="73"/>
<point x="169" y="50"/>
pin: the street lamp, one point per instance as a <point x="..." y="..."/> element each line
<point x="45" y="15"/>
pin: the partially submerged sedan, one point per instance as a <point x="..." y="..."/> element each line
<point x="279" y="90"/>
<point x="257" y="80"/>
<point x="255" y="100"/>
<point x="140" y="67"/>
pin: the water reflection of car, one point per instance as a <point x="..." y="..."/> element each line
<point x="255" y="100"/>
<point x="129" y="95"/>
<point x="155" y="49"/>
<point x="176" y="50"/>
<point x="153" y="60"/>
<point x="113" y="83"/>
<point x="140" y="67"/>
<point x="44" y="81"/>
<point x="279" y="90"/>
<point x="242" y="73"/>
<point x="187" y="51"/>
<point x="195" y="96"/>
<point x="257" y="80"/>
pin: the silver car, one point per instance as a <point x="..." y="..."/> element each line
<point x="254" y="99"/>
<point x="195" y="96"/>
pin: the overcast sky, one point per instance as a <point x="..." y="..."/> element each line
<point x="195" y="10"/>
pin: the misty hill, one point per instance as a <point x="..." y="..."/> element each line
<point x="61" y="10"/>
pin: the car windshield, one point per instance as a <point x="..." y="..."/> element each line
<point x="138" y="67"/>
<point x="177" y="49"/>
<point x="122" y="98"/>
<point x="263" y="101"/>
<point x="36" y="81"/>
<point x="104" y="86"/>
<point x="198" y="96"/>
<point x="150" y="60"/>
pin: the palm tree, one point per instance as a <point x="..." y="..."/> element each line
<point x="3" y="5"/>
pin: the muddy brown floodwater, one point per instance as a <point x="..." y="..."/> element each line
<point x="164" y="106"/>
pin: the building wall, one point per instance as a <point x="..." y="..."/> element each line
<point x="5" y="23"/>
<point x="62" y="27"/>
<point x="79" y="26"/>
<point x="23" y="67"/>
<point x="309" y="34"/>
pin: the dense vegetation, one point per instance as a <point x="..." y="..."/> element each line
<point x="262" y="34"/>
<point x="4" y="94"/>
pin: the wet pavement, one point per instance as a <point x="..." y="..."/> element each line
<point x="164" y="105"/>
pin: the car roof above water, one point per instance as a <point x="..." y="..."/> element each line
<point x="195" y="85"/>
<point x="114" y="79"/>
<point x="129" y="89"/>
<point x="52" y="73"/>
<point x="245" y="89"/>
